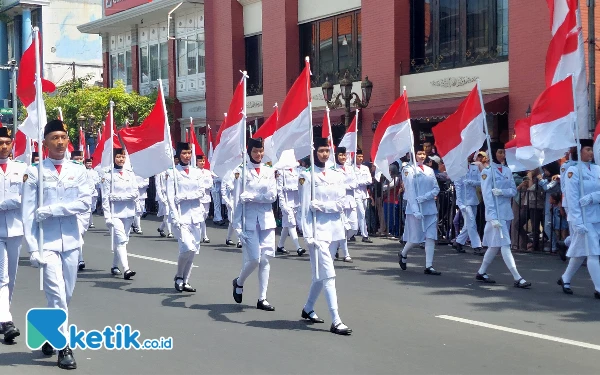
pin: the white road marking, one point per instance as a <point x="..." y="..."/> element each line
<point x="154" y="259"/>
<point x="519" y="332"/>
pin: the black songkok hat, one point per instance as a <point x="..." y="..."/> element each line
<point x="35" y="154"/>
<point x="5" y="132"/>
<point x="88" y="160"/>
<point x="419" y="147"/>
<point x="320" y="142"/>
<point x="183" y="146"/>
<point x="118" y="151"/>
<point x="586" y="143"/>
<point x="76" y="153"/>
<point x="359" y="151"/>
<point x="255" y="143"/>
<point x="340" y="150"/>
<point x="199" y="157"/>
<point x="55" y="126"/>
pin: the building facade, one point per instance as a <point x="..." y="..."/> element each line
<point x="67" y="53"/>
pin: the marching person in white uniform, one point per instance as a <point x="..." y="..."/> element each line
<point x="498" y="188"/>
<point x="185" y="190"/>
<point x="563" y="246"/>
<point x="119" y="201"/>
<point x="66" y="194"/>
<point x="584" y="217"/>
<point x="361" y="194"/>
<point x="420" y="190"/>
<point x="206" y="185"/>
<point x="229" y="193"/>
<point x="83" y="219"/>
<point x="94" y="177"/>
<point x="467" y="202"/>
<point x="11" y="231"/>
<point x="255" y="223"/>
<point x="327" y="207"/>
<point x="216" y="196"/>
<point x="349" y="181"/>
<point x="160" y="184"/>
<point x="289" y="202"/>
<point x="140" y="203"/>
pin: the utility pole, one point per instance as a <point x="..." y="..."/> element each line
<point x="12" y="67"/>
<point x="73" y="68"/>
<point x="592" y="65"/>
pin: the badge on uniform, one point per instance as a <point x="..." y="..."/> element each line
<point x="570" y="174"/>
<point x="483" y="177"/>
<point x="103" y="179"/>
<point x="301" y="180"/>
<point x="25" y="177"/>
<point x="237" y="175"/>
<point x="406" y="173"/>
<point x="71" y="178"/>
<point x="562" y="170"/>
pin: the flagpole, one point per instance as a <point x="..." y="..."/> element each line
<point x="330" y="137"/>
<point x="60" y="115"/>
<point x="355" y="140"/>
<point x="191" y="130"/>
<point x="312" y="165"/>
<point x="38" y="94"/>
<point x="243" y="146"/>
<point x="112" y="174"/>
<point x="414" y="159"/>
<point x="489" y="147"/>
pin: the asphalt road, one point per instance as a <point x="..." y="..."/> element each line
<point x="395" y="315"/>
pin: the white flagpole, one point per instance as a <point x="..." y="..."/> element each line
<point x="312" y="168"/>
<point x="60" y="115"/>
<point x="244" y="141"/>
<point x="355" y="140"/>
<point x="489" y="146"/>
<point x="413" y="155"/>
<point x="191" y="130"/>
<point x="329" y="138"/>
<point x="38" y="94"/>
<point x="112" y="174"/>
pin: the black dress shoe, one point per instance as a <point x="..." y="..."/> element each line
<point x="281" y="250"/>
<point x="306" y="315"/>
<point x="459" y="248"/>
<point x="264" y="305"/>
<point x="161" y="232"/>
<point x="478" y="251"/>
<point x="66" y="360"/>
<point x="522" y="285"/>
<point x="237" y="297"/>
<point x="10" y="332"/>
<point x="229" y="243"/>
<point x="81" y="266"/>
<point x="92" y="226"/>
<point x="178" y="284"/>
<point x="340" y="331"/>
<point x="566" y="289"/>
<point x="431" y="271"/>
<point x="337" y="255"/>
<point x="48" y="350"/>
<point x="485" y="278"/>
<point x="300" y="252"/>
<point x="206" y="240"/>
<point x="562" y="250"/>
<point x="115" y="271"/>
<point x="239" y="245"/>
<point x="352" y="239"/>
<point x="188" y="288"/>
<point x="402" y="264"/>
<point x="367" y="240"/>
<point x="129" y="274"/>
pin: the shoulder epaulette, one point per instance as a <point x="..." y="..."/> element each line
<point x="333" y="168"/>
<point x="268" y="165"/>
<point x="488" y="167"/>
<point x="308" y="169"/>
<point x="18" y="161"/>
<point x="34" y="164"/>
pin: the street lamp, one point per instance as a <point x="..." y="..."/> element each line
<point x="346" y="95"/>
<point x="528" y="111"/>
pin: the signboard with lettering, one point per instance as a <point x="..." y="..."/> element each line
<point x="115" y="6"/>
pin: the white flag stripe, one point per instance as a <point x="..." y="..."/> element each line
<point x="159" y="155"/>
<point x="554" y="135"/>
<point x="394" y="144"/>
<point x="472" y="138"/>
<point x="349" y="141"/>
<point x="294" y="136"/>
<point x="228" y="153"/>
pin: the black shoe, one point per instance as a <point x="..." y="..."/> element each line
<point x="92" y="226"/>
<point x="66" y="360"/>
<point x="597" y="294"/>
<point x="522" y="285"/>
<point x="348" y="260"/>
<point x="144" y="215"/>
<point x="281" y="250"/>
<point x="161" y="232"/>
<point x="340" y="331"/>
<point x="478" y="251"/>
<point x="115" y="271"/>
<point x="459" y="248"/>
<point x="367" y="240"/>
<point x="337" y="255"/>
<point x="562" y="250"/>
<point x="48" y="350"/>
<point x="237" y="297"/>
<point x="485" y="278"/>
<point x="1" y="328"/>
<point x="170" y="235"/>
<point x="229" y="243"/>
<point x="352" y="239"/>
<point x="300" y="252"/>
<point x="81" y="266"/>
<point x="239" y="245"/>
<point x="264" y="305"/>
<point x="306" y="315"/>
<point x="178" y="284"/>
<point x="10" y="332"/>
<point x="188" y="288"/>
<point x="431" y="271"/>
<point x="129" y="274"/>
<point x="402" y="264"/>
<point x="223" y="223"/>
<point x="206" y="240"/>
<point x="566" y="289"/>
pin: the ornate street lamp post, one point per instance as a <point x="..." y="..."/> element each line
<point x="346" y="95"/>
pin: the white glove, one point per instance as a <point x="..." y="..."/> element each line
<point x="580" y="229"/>
<point x="421" y="199"/>
<point x="36" y="260"/>
<point x="418" y="215"/>
<point x="42" y="213"/>
<point x="114" y="198"/>
<point x="243" y="236"/>
<point x="586" y="200"/>
<point x="462" y="207"/>
<point x="247" y="196"/>
<point x="496" y="224"/>
<point x="311" y="241"/>
<point x="109" y="223"/>
<point x="179" y="199"/>
<point x="497" y="192"/>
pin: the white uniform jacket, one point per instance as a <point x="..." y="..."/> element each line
<point x="206" y="183"/>
<point x="330" y="197"/>
<point x="94" y="180"/>
<point x="363" y="181"/>
<point x="228" y="187"/>
<point x="466" y="187"/>
<point x="287" y="188"/>
<point x="11" y="222"/>
<point x="185" y="205"/>
<point x="125" y="190"/>
<point x="161" y="187"/>
<point x="349" y="183"/>
<point x="420" y="182"/>
<point x="591" y="185"/>
<point x="66" y="195"/>
<point x="260" y="209"/>
<point x="563" y="181"/>
<point x="142" y="185"/>
<point x="505" y="182"/>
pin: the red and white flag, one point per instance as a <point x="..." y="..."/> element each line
<point x="392" y="138"/>
<point x="461" y="134"/>
<point x="350" y="139"/>
<point x="196" y="149"/>
<point x="209" y="143"/>
<point x="520" y="153"/>
<point x="265" y="132"/>
<point x="29" y="94"/>
<point x="149" y="145"/>
<point x="228" y="153"/>
<point x="293" y="126"/>
<point x="326" y="133"/>
<point x="107" y="141"/>
<point x="553" y="117"/>
<point x="82" y="146"/>
<point x="566" y="55"/>
<point x="22" y="148"/>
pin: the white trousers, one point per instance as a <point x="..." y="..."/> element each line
<point x="257" y="250"/>
<point x="10" y="247"/>
<point x="216" y="196"/>
<point x="94" y="202"/>
<point x="122" y="227"/>
<point x="330" y="295"/>
<point x="60" y="275"/>
<point x="361" y="209"/>
<point x="469" y="229"/>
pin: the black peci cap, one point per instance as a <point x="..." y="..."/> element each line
<point x="55" y="126"/>
<point x="5" y="132"/>
<point x="255" y="143"/>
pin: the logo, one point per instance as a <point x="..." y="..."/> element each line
<point x="44" y="325"/>
<point x="570" y="174"/>
<point x="301" y="180"/>
<point x="484" y="176"/>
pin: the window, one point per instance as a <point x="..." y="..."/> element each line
<point x="144" y="71"/>
<point x="254" y="85"/>
<point x="164" y="60"/>
<point x="190" y="57"/>
<point x="154" y="62"/>
<point x="120" y="59"/>
<point x="453" y="33"/>
<point x="10" y="36"/>
<point x="153" y="56"/>
<point x="36" y="16"/>
<point x="334" y="46"/>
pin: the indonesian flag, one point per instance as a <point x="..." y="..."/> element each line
<point x="22" y="148"/>
<point x="266" y="133"/>
<point x="596" y="144"/>
<point x="293" y="125"/>
<point x="209" y="143"/>
<point x="461" y="134"/>
<point x="350" y="139"/>
<point x="196" y="149"/>
<point x="553" y="116"/>
<point x="392" y="139"/>
<point x="326" y="133"/>
<point x="229" y="146"/>
<point x="520" y="153"/>
<point x="82" y="147"/>
<point x="149" y="145"/>
<point x="566" y="55"/>
<point x="102" y="153"/>
<point x="27" y="92"/>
